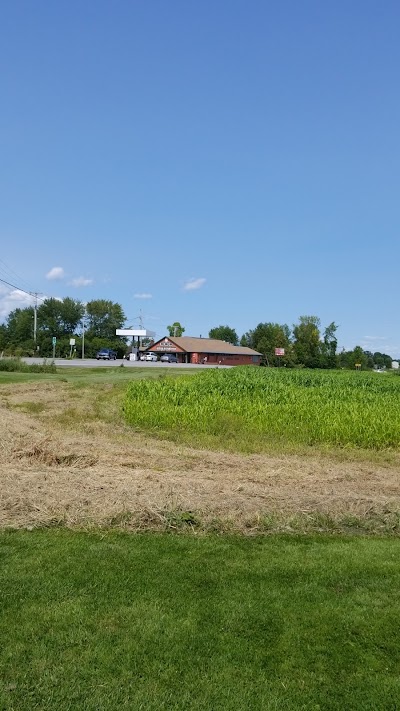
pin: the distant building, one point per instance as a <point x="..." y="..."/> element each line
<point x="205" y="350"/>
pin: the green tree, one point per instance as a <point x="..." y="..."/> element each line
<point x="103" y="318"/>
<point x="247" y="339"/>
<point x="307" y="345"/>
<point x="382" y="360"/>
<point x="19" y="328"/>
<point x="329" y="347"/>
<point x="224" y="333"/>
<point x="370" y="359"/>
<point x="176" y="329"/>
<point x="356" y="357"/>
<point x="268" y="336"/>
<point x="3" y="336"/>
<point x="59" y="317"/>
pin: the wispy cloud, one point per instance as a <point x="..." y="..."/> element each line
<point x="375" y="338"/>
<point x="55" y="273"/>
<point x="143" y="295"/>
<point x="81" y="281"/>
<point x="193" y="284"/>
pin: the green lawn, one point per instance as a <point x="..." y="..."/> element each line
<point x="104" y="621"/>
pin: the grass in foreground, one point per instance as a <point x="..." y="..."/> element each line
<point x="253" y="409"/>
<point x="152" y="622"/>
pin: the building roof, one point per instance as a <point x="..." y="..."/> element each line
<point x="208" y="345"/>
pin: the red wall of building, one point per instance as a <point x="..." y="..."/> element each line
<point x="223" y="359"/>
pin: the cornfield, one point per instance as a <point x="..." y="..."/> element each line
<point x="259" y="408"/>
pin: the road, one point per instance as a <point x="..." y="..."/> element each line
<point x="93" y="363"/>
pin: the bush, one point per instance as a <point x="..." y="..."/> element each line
<point x="15" y="365"/>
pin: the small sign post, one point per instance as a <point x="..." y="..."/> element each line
<point x="279" y="352"/>
<point x="54" y="346"/>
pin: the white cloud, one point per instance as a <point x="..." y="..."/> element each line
<point x="143" y="296"/>
<point x="55" y="273"/>
<point x="15" y="299"/>
<point x="193" y="284"/>
<point x="81" y="281"/>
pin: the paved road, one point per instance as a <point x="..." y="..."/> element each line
<point x="93" y="363"/>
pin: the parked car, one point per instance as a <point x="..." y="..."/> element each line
<point x="151" y="357"/>
<point x="169" y="358"/>
<point x="106" y="354"/>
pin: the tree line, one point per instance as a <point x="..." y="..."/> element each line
<point x="93" y="326"/>
<point x="305" y="345"/>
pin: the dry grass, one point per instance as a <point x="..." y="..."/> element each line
<point x="67" y="457"/>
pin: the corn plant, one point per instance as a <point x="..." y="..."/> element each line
<point x="262" y="407"/>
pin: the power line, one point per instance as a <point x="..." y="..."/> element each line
<point x="10" y="274"/>
<point x="24" y="291"/>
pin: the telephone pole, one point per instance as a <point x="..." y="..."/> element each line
<point x="35" y="294"/>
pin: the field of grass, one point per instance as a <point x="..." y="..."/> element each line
<point x="99" y="619"/>
<point x="115" y="621"/>
<point x="253" y="409"/>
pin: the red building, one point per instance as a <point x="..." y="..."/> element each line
<point x="205" y="350"/>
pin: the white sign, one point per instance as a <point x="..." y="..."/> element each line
<point x="138" y="332"/>
<point x="72" y="341"/>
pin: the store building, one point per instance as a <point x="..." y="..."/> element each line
<point x="205" y="350"/>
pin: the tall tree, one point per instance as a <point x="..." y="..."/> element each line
<point x="268" y="336"/>
<point x="307" y="343"/>
<point x="60" y="317"/>
<point x="3" y="336"/>
<point x="382" y="360"/>
<point x="357" y="358"/>
<point x="329" y="347"/>
<point x="104" y="317"/>
<point x="247" y="339"/>
<point x="224" y="333"/>
<point x="19" y="327"/>
<point x="176" y="329"/>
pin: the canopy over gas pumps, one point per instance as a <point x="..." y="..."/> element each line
<point x="135" y="332"/>
<point x="138" y="333"/>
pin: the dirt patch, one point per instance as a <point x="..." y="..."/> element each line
<point x="52" y="473"/>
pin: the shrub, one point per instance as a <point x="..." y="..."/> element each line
<point x="15" y="365"/>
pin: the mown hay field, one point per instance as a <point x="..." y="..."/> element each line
<point x="68" y="456"/>
<point x="252" y="409"/>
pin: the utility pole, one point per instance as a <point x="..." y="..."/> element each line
<point x="83" y="337"/>
<point x="35" y="294"/>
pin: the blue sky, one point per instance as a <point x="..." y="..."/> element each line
<point x="209" y="162"/>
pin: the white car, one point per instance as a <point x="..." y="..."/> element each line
<point x="150" y="356"/>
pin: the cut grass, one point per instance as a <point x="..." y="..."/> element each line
<point x="111" y="621"/>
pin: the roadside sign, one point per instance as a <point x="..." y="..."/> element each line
<point x="72" y="341"/>
<point x="279" y="351"/>
<point x="54" y="340"/>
